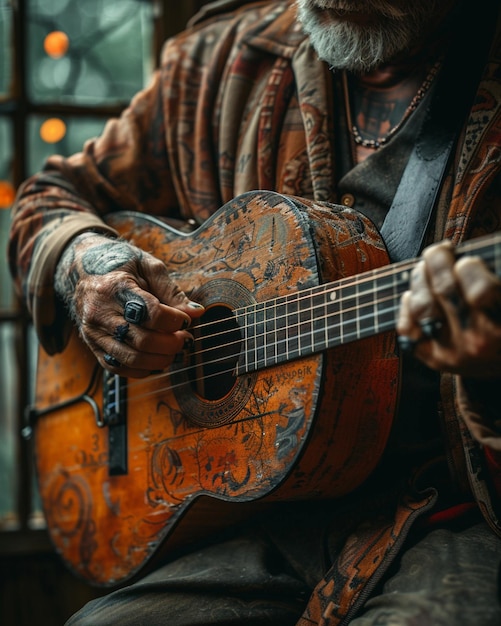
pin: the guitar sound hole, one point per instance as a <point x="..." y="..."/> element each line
<point x="215" y="353"/>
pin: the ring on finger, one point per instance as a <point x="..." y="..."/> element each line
<point x="110" y="360"/>
<point x="407" y="344"/>
<point x="135" y="312"/>
<point x="431" y="328"/>
<point x="121" y="332"/>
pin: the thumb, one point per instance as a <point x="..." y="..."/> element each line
<point x="168" y="292"/>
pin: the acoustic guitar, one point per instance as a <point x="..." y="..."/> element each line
<point x="288" y="393"/>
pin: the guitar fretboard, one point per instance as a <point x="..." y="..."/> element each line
<point x="326" y="316"/>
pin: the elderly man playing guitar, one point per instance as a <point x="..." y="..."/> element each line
<point x="273" y="286"/>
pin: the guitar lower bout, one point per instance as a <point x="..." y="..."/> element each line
<point x="263" y="407"/>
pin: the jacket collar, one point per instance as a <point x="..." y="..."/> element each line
<point x="277" y="33"/>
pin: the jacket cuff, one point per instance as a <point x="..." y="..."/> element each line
<point x="49" y="314"/>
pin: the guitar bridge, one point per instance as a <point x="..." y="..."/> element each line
<point x="115" y="419"/>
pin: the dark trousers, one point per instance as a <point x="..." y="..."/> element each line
<point x="446" y="577"/>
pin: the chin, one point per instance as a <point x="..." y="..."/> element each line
<point x="348" y="42"/>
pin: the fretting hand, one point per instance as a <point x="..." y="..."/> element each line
<point x="451" y="315"/>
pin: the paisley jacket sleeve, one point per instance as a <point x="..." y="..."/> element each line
<point x="165" y="155"/>
<point x="125" y="168"/>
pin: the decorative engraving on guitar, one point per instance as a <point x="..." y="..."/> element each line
<point x="269" y="404"/>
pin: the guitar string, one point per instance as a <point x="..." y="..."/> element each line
<point x="301" y="296"/>
<point x="323" y="289"/>
<point x="296" y="298"/>
<point x="351" y="336"/>
<point x="346" y="336"/>
<point x="320" y="290"/>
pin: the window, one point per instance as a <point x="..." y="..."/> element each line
<point x="66" y="66"/>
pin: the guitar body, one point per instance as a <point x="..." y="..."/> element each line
<point x="313" y="427"/>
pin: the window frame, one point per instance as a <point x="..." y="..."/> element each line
<point x="169" y="17"/>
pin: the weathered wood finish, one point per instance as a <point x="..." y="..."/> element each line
<point x="313" y="427"/>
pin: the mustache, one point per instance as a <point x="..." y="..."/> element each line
<point x="382" y="8"/>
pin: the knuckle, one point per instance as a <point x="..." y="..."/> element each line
<point x="128" y="359"/>
<point x="419" y="304"/>
<point x="142" y="343"/>
<point x="444" y="284"/>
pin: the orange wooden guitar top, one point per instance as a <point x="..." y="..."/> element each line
<point x="312" y="427"/>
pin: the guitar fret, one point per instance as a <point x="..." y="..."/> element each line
<point x="248" y="324"/>
<point x="260" y="336"/>
<point x="270" y="338"/>
<point x="281" y="332"/>
<point x="388" y="305"/>
<point x="333" y="318"/>
<point x="292" y="332"/>
<point x="366" y="307"/>
<point x="350" y="314"/>
<point x="326" y="316"/>
<point x="319" y="321"/>
<point x="305" y="326"/>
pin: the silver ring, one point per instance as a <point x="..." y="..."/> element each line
<point x="110" y="360"/>
<point x="407" y="344"/>
<point x="431" y="328"/>
<point x="134" y="312"/>
<point x="121" y="332"/>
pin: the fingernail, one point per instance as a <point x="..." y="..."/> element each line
<point x="195" y="305"/>
<point x="188" y="343"/>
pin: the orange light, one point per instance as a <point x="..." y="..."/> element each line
<point x="7" y="194"/>
<point x="56" y="44"/>
<point x="53" y="130"/>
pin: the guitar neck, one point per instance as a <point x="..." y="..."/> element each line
<point x="335" y="313"/>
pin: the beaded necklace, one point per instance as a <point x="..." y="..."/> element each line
<point x="380" y="141"/>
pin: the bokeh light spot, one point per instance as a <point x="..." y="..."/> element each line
<point x="53" y="130"/>
<point x="56" y="44"/>
<point x="7" y="194"/>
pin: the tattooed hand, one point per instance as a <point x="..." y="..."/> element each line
<point x="96" y="276"/>
<point x="451" y="316"/>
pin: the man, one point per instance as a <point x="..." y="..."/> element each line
<point x="329" y="101"/>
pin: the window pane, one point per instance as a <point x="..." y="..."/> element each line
<point x="6" y="29"/>
<point x="75" y="131"/>
<point x="9" y="434"/>
<point x="89" y="52"/>
<point x="6" y="197"/>
<point x="36" y="517"/>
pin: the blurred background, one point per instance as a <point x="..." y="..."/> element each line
<point x="65" y="67"/>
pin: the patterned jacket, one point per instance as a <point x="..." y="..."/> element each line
<point x="241" y="102"/>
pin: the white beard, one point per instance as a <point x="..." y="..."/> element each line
<point x="360" y="48"/>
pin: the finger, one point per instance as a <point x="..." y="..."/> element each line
<point x="440" y="261"/>
<point x="129" y="361"/>
<point x="145" y="340"/>
<point x="407" y="329"/>
<point x="165" y="344"/>
<point x="137" y="348"/>
<point x="110" y="363"/>
<point x="422" y="304"/>
<point x="166" y="290"/>
<point x="406" y="323"/>
<point x="141" y="308"/>
<point x="169" y="319"/>
<point x="480" y="287"/>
